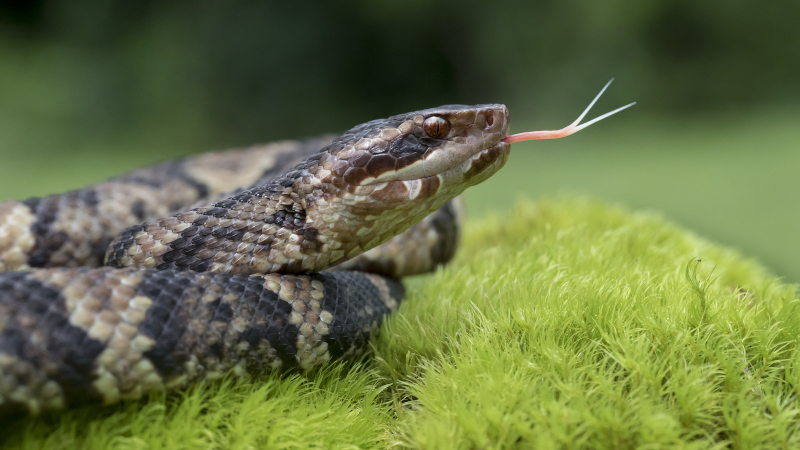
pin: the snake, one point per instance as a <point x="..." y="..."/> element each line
<point x="278" y="257"/>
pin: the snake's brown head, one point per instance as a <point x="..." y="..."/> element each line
<point x="383" y="176"/>
<point x="445" y="146"/>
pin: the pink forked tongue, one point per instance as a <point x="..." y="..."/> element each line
<point x="574" y="127"/>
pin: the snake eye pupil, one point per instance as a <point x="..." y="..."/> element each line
<point x="436" y="127"/>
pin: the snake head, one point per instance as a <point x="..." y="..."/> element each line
<point x="417" y="145"/>
<point x="381" y="177"/>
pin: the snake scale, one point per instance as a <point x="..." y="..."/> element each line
<point x="203" y="277"/>
<point x="277" y="257"/>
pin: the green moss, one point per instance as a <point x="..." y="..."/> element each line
<point x="568" y="324"/>
<point x="333" y="409"/>
<point x="579" y="325"/>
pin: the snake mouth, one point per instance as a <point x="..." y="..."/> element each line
<point x="485" y="163"/>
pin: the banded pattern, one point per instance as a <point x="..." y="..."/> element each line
<point x="77" y="336"/>
<point x="74" y="229"/>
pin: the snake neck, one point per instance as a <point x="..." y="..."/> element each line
<point x="305" y="221"/>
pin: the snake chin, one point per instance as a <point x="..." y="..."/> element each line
<point x="486" y="163"/>
<point x="475" y="169"/>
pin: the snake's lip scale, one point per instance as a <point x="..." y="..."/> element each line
<point x="486" y="163"/>
<point x="470" y="165"/>
<point x="495" y="151"/>
<point x="499" y="146"/>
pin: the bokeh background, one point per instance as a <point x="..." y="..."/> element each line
<point x="91" y="88"/>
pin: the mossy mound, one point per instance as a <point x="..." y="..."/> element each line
<point x="570" y="324"/>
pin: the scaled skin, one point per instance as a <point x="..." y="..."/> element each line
<point x="74" y="229"/>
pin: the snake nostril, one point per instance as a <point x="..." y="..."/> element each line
<point x="489" y="120"/>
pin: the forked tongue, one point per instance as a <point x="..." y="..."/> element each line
<point x="574" y="127"/>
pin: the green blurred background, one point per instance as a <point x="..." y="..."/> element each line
<point x="91" y="88"/>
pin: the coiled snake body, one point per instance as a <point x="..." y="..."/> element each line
<point x="268" y="277"/>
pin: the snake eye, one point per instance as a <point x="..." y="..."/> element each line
<point x="436" y="127"/>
